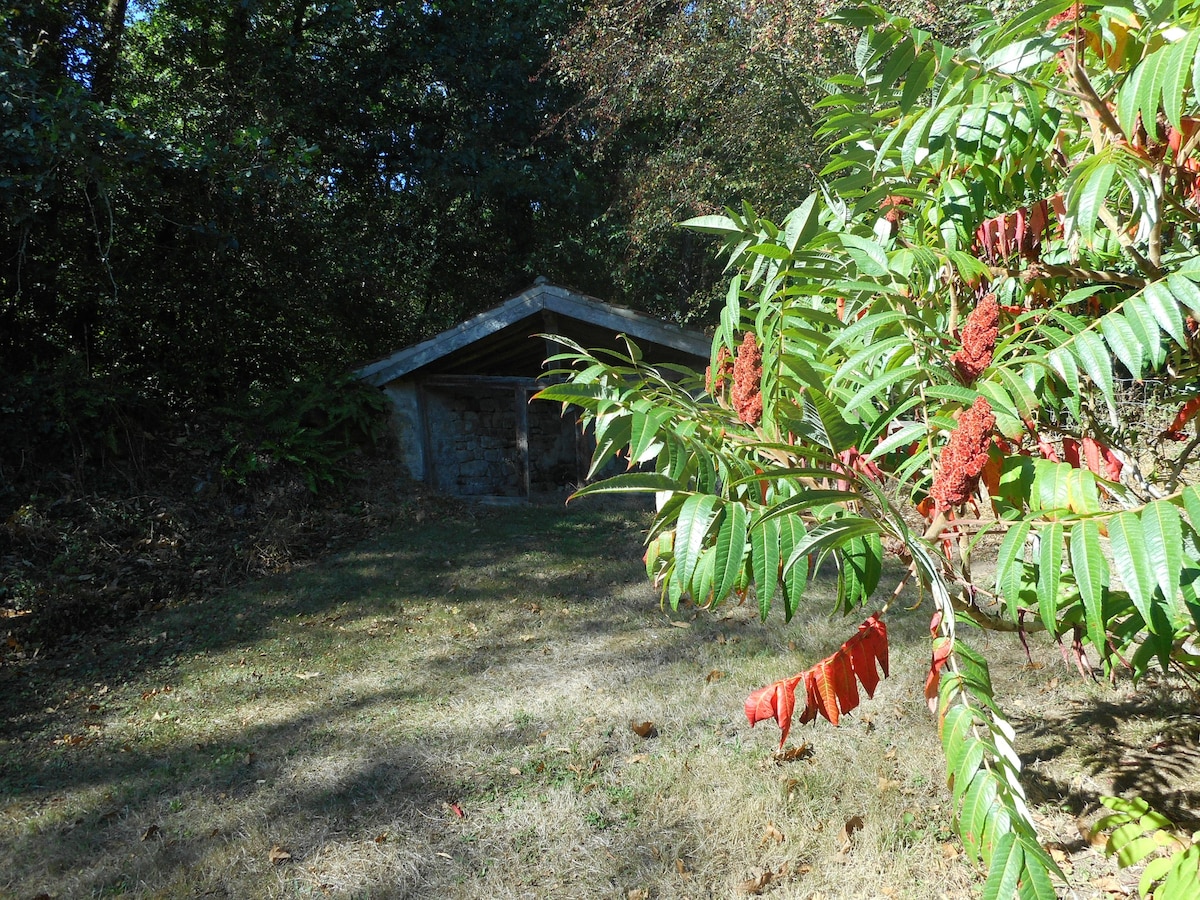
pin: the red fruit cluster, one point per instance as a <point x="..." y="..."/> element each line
<point x="978" y="340"/>
<point x="747" y="381"/>
<point x="1072" y="14"/>
<point x="1076" y="35"/>
<point x="715" y="383"/>
<point x="893" y="208"/>
<point x="965" y="456"/>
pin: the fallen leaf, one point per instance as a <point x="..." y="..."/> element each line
<point x="457" y="810"/>
<point x="1092" y="836"/>
<point x="306" y="676"/>
<point x="949" y="851"/>
<point x="1060" y="855"/>
<point x="756" y="885"/>
<point x="853" y="824"/>
<point x="381" y="838"/>
<point x="278" y="855"/>
<point x="793" y="754"/>
<point x="682" y="624"/>
<point x="714" y="675"/>
<point x="151" y="832"/>
<point x="644" y="729"/>
<point x="681" y="868"/>
<point x="637" y="758"/>
<point x="887" y="784"/>
<point x="514" y="771"/>
<point x="771" y="834"/>
<point x="638" y="894"/>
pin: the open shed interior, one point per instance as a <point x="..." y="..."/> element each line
<point x="462" y="401"/>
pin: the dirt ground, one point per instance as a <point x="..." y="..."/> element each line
<point x="490" y="703"/>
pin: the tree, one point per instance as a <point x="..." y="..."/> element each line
<point x="203" y="197"/>
<point x="926" y="361"/>
<point x="690" y="107"/>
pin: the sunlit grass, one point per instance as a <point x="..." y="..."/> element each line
<point x="447" y="711"/>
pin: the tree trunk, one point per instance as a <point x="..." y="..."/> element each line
<point x="112" y="33"/>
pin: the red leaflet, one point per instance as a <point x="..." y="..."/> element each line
<point x="1186" y="413"/>
<point x="838" y="669"/>
<point x="1112" y="462"/>
<point x="826" y="691"/>
<point x="941" y="652"/>
<point x="1047" y="449"/>
<point x="775" y="701"/>
<point x="1020" y="231"/>
<point x="1095" y="456"/>
<point x="830" y="687"/>
<point x="862" y="661"/>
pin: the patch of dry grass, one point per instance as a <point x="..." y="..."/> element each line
<point x="447" y="711"/>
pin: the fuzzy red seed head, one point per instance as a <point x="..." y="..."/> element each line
<point x="715" y="383"/>
<point x="978" y="340"/>
<point x="965" y="456"/>
<point x="747" y="381"/>
<point x="1071" y="14"/>
<point x="893" y="208"/>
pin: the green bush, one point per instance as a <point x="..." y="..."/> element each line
<point x="312" y="425"/>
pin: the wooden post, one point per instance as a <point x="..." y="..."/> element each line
<point x="427" y="474"/>
<point x="521" y="395"/>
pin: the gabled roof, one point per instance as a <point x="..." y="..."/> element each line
<point x="533" y="304"/>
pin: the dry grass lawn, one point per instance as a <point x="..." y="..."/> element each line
<point x="447" y="712"/>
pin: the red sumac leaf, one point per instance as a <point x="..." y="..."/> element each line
<point x="874" y="632"/>
<point x="826" y="696"/>
<point x="942" y="648"/>
<point x="811" y="701"/>
<point x="1186" y="413"/>
<point x="1071" y="452"/>
<point x="775" y="701"/>
<point x="863" y="662"/>
<point x="1047" y="449"/>
<point x="830" y="687"/>
<point x="838" y="670"/>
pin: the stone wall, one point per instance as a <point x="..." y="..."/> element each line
<point x="553" y="451"/>
<point x="473" y="439"/>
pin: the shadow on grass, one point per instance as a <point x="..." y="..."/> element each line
<point x="1145" y="745"/>
<point x="411" y="563"/>
<point x="128" y="806"/>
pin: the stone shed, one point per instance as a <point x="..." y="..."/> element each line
<point x="461" y="400"/>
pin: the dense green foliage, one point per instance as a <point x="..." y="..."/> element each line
<point x="220" y="193"/>
<point x="927" y="361"/>
<point x="695" y="106"/>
